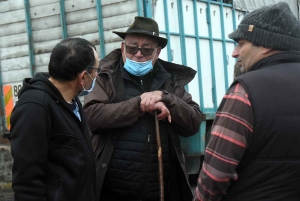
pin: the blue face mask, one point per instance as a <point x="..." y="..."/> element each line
<point x="138" y="68"/>
<point x="85" y="91"/>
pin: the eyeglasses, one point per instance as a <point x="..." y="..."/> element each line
<point x="98" y="69"/>
<point x="134" y="50"/>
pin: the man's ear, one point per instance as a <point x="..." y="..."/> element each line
<point x="122" y="51"/>
<point x="266" y="50"/>
<point x="158" y="51"/>
<point x="81" y="77"/>
<point x="122" y="46"/>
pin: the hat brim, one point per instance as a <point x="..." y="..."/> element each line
<point x="161" y="41"/>
<point x="235" y="35"/>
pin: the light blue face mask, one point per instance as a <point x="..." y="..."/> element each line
<point x="138" y="68"/>
<point x="85" y="91"/>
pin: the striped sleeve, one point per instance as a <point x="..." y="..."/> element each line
<point x="230" y="135"/>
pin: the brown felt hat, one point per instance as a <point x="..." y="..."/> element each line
<point x="147" y="26"/>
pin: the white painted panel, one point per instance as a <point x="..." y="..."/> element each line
<point x="42" y="60"/>
<point x="188" y="17"/>
<point x="47" y="35"/>
<point x="15" y="75"/>
<point x="228" y="21"/>
<point x="42" y="69"/>
<point x="112" y="46"/>
<point x="163" y="53"/>
<point x="206" y="73"/>
<point x="11" y="5"/>
<point x="215" y="16"/>
<point x="44" y="10"/>
<point x="193" y="86"/>
<point x="4" y="6"/>
<point x="239" y="16"/>
<point x="34" y="3"/>
<point x="82" y="28"/>
<point x="119" y="8"/>
<point x="81" y="16"/>
<point x="219" y="70"/>
<point x="15" y="63"/>
<point x="105" y="2"/>
<point x="13" y="40"/>
<point x="45" y="22"/>
<point x="22" y="50"/>
<point x="110" y="37"/>
<point x="175" y="49"/>
<point x="97" y="49"/>
<point x="173" y="16"/>
<point x="118" y="21"/>
<point x="38" y="36"/>
<point x="76" y="5"/>
<point x="12" y="16"/>
<point x="159" y="15"/>
<point x="14" y="28"/>
<point x="45" y="47"/>
<point x="92" y="37"/>
<point x="202" y="22"/>
<point x="12" y="52"/>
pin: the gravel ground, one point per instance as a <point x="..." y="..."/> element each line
<point x="6" y="194"/>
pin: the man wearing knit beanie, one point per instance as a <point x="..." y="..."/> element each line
<point x="253" y="152"/>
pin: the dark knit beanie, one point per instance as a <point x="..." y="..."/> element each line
<point x="272" y="26"/>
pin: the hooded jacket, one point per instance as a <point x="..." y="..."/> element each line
<point x="107" y="112"/>
<point x="52" y="152"/>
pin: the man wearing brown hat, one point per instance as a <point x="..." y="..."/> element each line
<point x="132" y="85"/>
<point x="253" y="153"/>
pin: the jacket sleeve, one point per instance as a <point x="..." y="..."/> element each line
<point x="185" y="113"/>
<point x="103" y="115"/>
<point x="230" y="136"/>
<point x="29" y="145"/>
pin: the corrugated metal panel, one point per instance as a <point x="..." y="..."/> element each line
<point x="250" y="5"/>
<point x="81" y="20"/>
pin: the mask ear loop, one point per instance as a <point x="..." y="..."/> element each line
<point x="154" y="54"/>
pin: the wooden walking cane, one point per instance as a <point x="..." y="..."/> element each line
<point x="160" y="160"/>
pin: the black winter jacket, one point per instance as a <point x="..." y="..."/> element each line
<point x="52" y="152"/>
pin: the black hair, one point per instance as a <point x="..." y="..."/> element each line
<point x="70" y="57"/>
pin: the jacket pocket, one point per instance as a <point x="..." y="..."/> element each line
<point x="98" y="143"/>
<point x="66" y="141"/>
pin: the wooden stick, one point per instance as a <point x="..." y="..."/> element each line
<point x="160" y="160"/>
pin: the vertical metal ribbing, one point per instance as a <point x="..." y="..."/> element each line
<point x="182" y="35"/>
<point x="214" y="91"/>
<point x="199" y="74"/>
<point x="169" y="51"/>
<point x="63" y="22"/>
<point x="140" y="7"/>
<point x="181" y="32"/>
<point x="148" y="8"/>
<point x="225" y="59"/>
<point x="29" y="37"/>
<point x="100" y="28"/>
